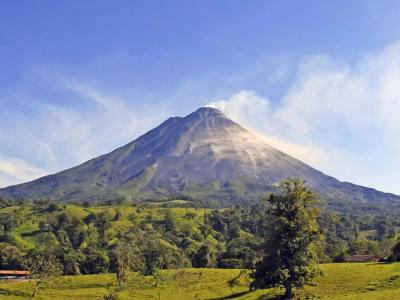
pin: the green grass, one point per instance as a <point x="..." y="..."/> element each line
<point x="339" y="281"/>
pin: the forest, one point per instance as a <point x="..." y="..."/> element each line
<point x="83" y="238"/>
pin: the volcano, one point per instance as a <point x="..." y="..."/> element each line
<point x="204" y="155"/>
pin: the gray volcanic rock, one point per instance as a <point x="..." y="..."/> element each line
<point x="203" y="155"/>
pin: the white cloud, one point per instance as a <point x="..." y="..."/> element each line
<point x="58" y="135"/>
<point x="339" y="117"/>
<point x="243" y="106"/>
<point x="13" y="171"/>
<point x="254" y="112"/>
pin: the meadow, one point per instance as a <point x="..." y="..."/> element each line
<point x="337" y="281"/>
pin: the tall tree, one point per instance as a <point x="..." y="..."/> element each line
<point x="127" y="259"/>
<point x="44" y="268"/>
<point x="291" y="240"/>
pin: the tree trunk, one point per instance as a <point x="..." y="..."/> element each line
<point x="35" y="289"/>
<point x="288" y="292"/>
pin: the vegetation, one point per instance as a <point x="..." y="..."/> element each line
<point x="143" y="239"/>
<point x="339" y="281"/>
<point x="44" y="269"/>
<point x="291" y="240"/>
<point x="84" y="239"/>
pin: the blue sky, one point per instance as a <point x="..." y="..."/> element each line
<point x="319" y="78"/>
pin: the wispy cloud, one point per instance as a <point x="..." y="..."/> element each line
<point x="340" y="117"/>
<point x="13" y="171"/>
<point x="40" y="135"/>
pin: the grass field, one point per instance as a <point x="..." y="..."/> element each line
<point x="338" y="281"/>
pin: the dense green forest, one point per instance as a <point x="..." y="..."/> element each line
<point x="85" y="238"/>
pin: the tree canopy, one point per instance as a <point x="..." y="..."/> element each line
<point x="291" y="240"/>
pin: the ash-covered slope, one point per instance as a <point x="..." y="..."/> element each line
<point x="203" y="155"/>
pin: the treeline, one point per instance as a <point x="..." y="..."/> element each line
<point x="224" y="238"/>
<point x="344" y="235"/>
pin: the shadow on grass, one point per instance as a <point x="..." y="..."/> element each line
<point x="270" y="297"/>
<point x="282" y="297"/>
<point x="5" y="292"/>
<point x="232" y="296"/>
<point x="237" y="295"/>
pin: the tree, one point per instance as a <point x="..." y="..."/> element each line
<point x="153" y="259"/>
<point x="96" y="262"/>
<point x="9" y="221"/>
<point x="205" y="230"/>
<point x="169" y="223"/>
<point x="233" y="224"/>
<point x="202" y="257"/>
<point x="381" y="230"/>
<point x="123" y="255"/>
<point x="44" y="268"/>
<point x="102" y="223"/>
<point x="90" y="218"/>
<point x="118" y="215"/>
<point x="11" y="258"/>
<point x="71" y="261"/>
<point x="291" y="242"/>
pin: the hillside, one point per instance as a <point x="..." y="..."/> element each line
<point x="204" y="155"/>
<point x="340" y="281"/>
<point x="182" y="241"/>
<point x="84" y="237"/>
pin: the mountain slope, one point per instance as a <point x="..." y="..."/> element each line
<point x="203" y="155"/>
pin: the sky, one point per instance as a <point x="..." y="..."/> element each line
<point x="321" y="79"/>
